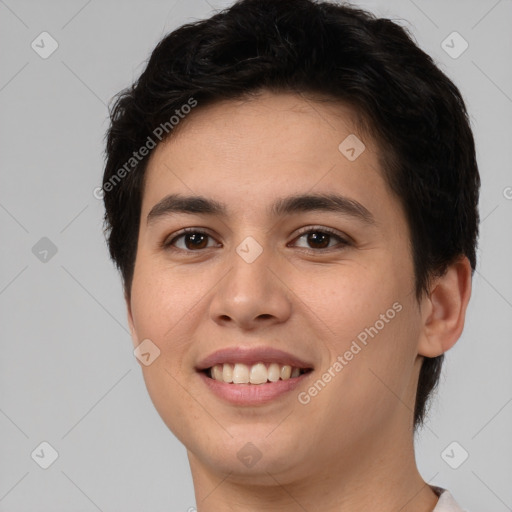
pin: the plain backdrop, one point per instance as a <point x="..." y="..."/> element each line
<point x="68" y="376"/>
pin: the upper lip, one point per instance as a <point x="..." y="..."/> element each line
<point x="251" y="356"/>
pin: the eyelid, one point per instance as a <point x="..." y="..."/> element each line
<point x="324" y="229"/>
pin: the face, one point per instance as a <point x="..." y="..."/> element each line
<point x="332" y="288"/>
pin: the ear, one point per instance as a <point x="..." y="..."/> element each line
<point x="130" y="320"/>
<point x="444" y="309"/>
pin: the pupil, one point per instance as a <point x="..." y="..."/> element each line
<point x="314" y="238"/>
<point x="195" y="237"/>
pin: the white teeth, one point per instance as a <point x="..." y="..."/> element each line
<point x="217" y="372"/>
<point x="227" y="373"/>
<point x="240" y="374"/>
<point x="258" y="373"/>
<point x="274" y="372"/>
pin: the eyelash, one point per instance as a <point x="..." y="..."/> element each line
<point x="343" y="242"/>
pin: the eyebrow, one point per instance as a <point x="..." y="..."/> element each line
<point x="177" y="203"/>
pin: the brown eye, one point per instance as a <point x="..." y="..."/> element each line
<point x="193" y="240"/>
<point x="321" y="238"/>
<point x="318" y="240"/>
<point x="196" y="240"/>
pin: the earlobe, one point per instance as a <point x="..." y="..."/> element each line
<point x="444" y="311"/>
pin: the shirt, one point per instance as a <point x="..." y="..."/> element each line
<point x="446" y="501"/>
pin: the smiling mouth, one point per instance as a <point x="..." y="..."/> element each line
<point x="259" y="373"/>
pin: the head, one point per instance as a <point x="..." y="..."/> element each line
<point x="255" y="104"/>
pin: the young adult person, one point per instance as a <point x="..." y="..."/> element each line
<point x="291" y="197"/>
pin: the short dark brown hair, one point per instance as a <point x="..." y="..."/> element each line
<point x="413" y="110"/>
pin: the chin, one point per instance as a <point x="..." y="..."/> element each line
<point x="253" y="457"/>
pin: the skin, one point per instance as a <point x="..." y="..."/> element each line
<point x="351" y="447"/>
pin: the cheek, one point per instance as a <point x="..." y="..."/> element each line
<point x="167" y="304"/>
<point x="372" y="361"/>
<point x="368" y="316"/>
<point x="160" y="298"/>
<point x="351" y="297"/>
<point x="160" y="305"/>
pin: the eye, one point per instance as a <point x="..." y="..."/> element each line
<point x="193" y="239"/>
<point x="320" y="237"/>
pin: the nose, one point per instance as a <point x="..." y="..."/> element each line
<point x="252" y="294"/>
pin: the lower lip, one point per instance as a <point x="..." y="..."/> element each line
<point x="252" y="394"/>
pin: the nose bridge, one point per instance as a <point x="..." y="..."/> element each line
<point x="251" y="290"/>
<point x="250" y="275"/>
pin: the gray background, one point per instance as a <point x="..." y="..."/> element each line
<point x="67" y="372"/>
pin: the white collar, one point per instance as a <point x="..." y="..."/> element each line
<point x="446" y="501"/>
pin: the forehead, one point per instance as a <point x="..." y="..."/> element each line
<point x="296" y="118"/>
<point x="269" y="146"/>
